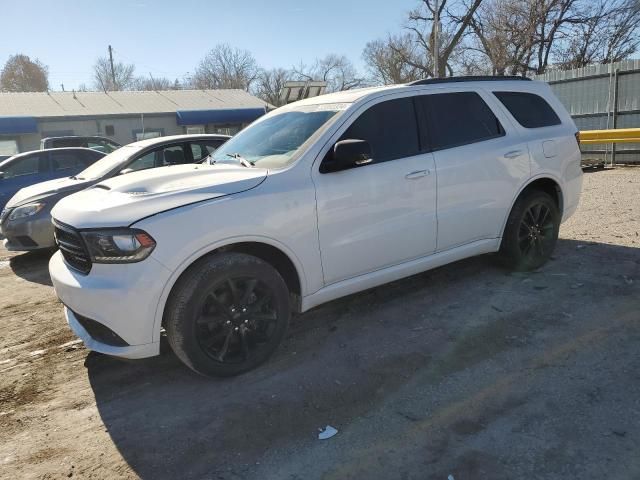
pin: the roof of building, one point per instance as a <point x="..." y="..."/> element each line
<point x="61" y="104"/>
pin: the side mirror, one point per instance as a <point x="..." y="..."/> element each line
<point x="348" y="154"/>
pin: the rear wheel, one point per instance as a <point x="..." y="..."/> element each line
<point x="531" y="232"/>
<point x="227" y="314"/>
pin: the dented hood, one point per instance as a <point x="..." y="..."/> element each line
<point x="123" y="200"/>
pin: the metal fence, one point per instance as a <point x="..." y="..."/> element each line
<point x="600" y="97"/>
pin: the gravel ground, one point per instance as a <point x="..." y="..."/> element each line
<point x="467" y="370"/>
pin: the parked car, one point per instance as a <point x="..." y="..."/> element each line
<point x="26" y="220"/>
<point x="316" y="200"/>
<point x="27" y="168"/>
<point x="102" y="144"/>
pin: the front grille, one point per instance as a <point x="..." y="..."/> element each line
<point x="100" y="332"/>
<point x="72" y="246"/>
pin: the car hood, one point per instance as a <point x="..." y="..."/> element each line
<point x="123" y="200"/>
<point x="46" y="189"/>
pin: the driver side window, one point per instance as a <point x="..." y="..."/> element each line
<point x="389" y="127"/>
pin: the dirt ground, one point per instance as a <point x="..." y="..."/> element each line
<point x="468" y="370"/>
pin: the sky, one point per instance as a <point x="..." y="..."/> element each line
<point x="169" y="37"/>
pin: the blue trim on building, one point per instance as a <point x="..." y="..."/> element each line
<point x="225" y="115"/>
<point x="18" y="125"/>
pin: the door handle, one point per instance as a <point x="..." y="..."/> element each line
<point x="513" y="154"/>
<point x="417" y="174"/>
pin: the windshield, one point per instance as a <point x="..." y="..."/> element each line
<point x="273" y="141"/>
<point x="108" y="163"/>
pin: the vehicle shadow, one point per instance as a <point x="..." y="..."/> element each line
<point x="33" y="266"/>
<point x="340" y="362"/>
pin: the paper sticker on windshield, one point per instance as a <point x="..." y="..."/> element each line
<point x="333" y="107"/>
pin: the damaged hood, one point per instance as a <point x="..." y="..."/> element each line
<point x="47" y="189"/>
<point x="123" y="200"/>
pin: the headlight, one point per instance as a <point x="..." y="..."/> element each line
<point x="26" y="210"/>
<point x="125" y="245"/>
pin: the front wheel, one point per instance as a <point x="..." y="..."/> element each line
<point x="227" y="314"/>
<point x="531" y="232"/>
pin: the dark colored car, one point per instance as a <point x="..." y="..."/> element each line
<point x="100" y="144"/>
<point x="29" y="168"/>
<point x="26" y="220"/>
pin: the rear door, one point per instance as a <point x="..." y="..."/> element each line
<point x="481" y="162"/>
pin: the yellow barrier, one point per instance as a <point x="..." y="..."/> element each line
<point x="618" y="135"/>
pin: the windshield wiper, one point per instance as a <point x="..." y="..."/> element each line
<point x="74" y="177"/>
<point x="243" y="161"/>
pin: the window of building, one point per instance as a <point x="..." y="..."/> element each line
<point x="140" y="135"/>
<point x="226" y="129"/>
<point x="455" y="119"/>
<point x="109" y="130"/>
<point x="8" y="147"/>
<point x="195" y="130"/>
<point x="530" y="110"/>
<point x="389" y="128"/>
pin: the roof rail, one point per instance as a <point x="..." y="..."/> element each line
<point x="469" y="78"/>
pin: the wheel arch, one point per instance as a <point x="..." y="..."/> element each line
<point x="268" y="250"/>
<point x="544" y="183"/>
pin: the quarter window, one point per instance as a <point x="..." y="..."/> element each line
<point x="530" y="110"/>
<point x="456" y="119"/>
<point x="65" y="160"/>
<point x="390" y="128"/>
<point x="160" y="157"/>
<point x="203" y="150"/>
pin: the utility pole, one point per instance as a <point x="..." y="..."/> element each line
<point x="113" y="72"/>
<point x="436" y="40"/>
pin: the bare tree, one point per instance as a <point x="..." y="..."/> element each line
<point x="226" y="67"/>
<point x="336" y="70"/>
<point x="528" y="36"/>
<point x="609" y="33"/>
<point x="21" y="74"/>
<point x="455" y="17"/>
<point x="155" y="83"/>
<point x="122" y="77"/>
<point x="269" y="85"/>
<point x="385" y="60"/>
<point x="504" y="35"/>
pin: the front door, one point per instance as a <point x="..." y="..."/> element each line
<point x="382" y="213"/>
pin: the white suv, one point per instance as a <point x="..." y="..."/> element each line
<point x="316" y="200"/>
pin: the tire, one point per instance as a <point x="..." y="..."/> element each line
<point x="531" y="232"/>
<point x="227" y="314"/>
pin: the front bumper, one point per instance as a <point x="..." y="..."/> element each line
<point x="121" y="297"/>
<point x="130" y="351"/>
<point x="29" y="233"/>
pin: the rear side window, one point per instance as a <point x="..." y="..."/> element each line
<point x="530" y="110"/>
<point x="390" y="128"/>
<point x="456" y="119"/>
